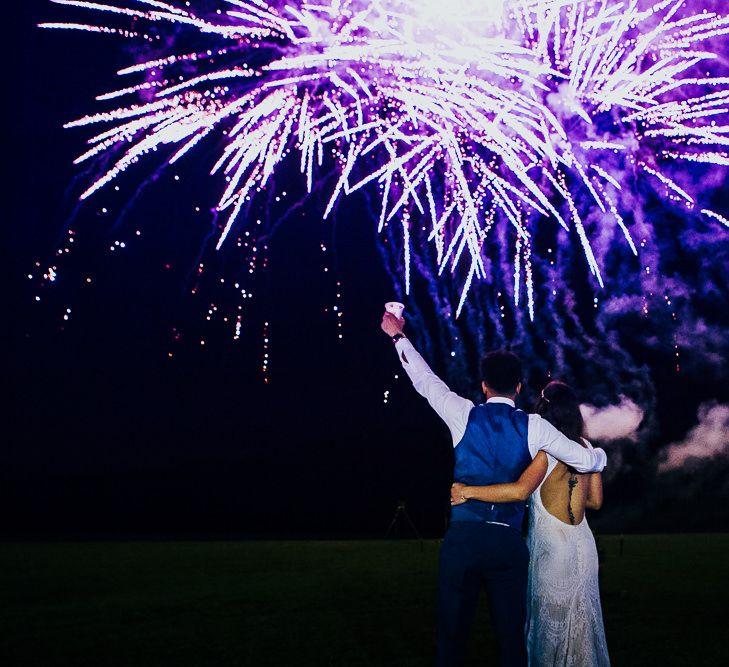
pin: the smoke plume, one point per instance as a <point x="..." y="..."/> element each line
<point x="613" y="422"/>
<point x="709" y="438"/>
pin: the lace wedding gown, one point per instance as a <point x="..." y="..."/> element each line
<point x="564" y="625"/>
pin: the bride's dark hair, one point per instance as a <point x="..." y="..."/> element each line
<point x="558" y="404"/>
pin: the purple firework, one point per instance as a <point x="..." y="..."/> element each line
<point x="475" y="121"/>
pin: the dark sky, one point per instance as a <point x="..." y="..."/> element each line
<point x="107" y="435"/>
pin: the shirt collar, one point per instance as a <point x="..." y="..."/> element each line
<point x="502" y="399"/>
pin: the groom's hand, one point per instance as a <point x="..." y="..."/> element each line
<point x="392" y="325"/>
<point x="457" y="497"/>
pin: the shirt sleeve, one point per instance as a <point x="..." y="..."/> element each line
<point x="450" y="407"/>
<point x="542" y="435"/>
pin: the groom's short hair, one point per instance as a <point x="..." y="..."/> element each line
<point x="501" y="371"/>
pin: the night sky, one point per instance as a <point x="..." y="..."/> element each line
<point x="136" y="416"/>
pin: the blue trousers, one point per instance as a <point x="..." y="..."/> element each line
<point x="478" y="556"/>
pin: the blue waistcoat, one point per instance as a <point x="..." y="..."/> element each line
<point x="493" y="450"/>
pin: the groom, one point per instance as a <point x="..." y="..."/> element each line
<point x="494" y="442"/>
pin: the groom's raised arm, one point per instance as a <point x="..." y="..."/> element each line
<point x="450" y="407"/>
<point x="542" y="435"/>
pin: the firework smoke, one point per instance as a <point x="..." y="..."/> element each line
<point x="709" y="438"/>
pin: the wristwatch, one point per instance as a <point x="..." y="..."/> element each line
<point x="397" y="337"/>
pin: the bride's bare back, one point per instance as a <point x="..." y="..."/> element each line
<point x="566" y="494"/>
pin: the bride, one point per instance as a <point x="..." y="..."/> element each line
<point x="564" y="623"/>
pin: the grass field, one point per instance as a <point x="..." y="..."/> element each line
<point x="323" y="603"/>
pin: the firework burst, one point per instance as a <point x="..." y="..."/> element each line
<point x="469" y="116"/>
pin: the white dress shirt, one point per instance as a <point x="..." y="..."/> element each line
<point x="454" y="410"/>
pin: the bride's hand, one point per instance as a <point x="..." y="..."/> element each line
<point x="457" y="493"/>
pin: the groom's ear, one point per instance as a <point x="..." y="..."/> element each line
<point x="518" y="389"/>
<point x="484" y="387"/>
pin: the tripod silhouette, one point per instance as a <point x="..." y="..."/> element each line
<point x="402" y="518"/>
